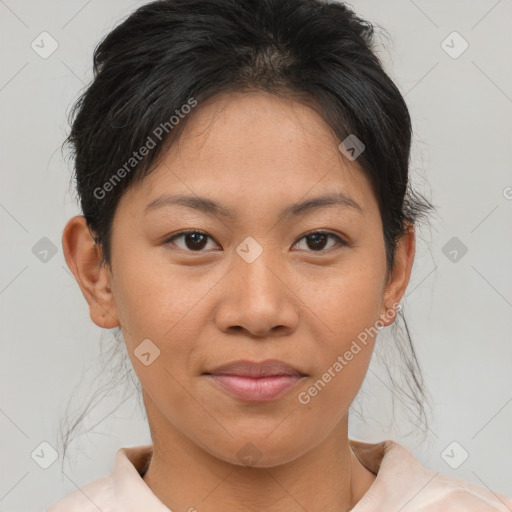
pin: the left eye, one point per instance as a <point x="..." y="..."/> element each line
<point x="196" y="240"/>
<point x="318" y="240"/>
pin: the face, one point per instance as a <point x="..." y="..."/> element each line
<point x="254" y="279"/>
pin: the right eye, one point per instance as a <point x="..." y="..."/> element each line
<point x="194" y="240"/>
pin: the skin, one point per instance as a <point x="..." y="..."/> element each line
<point x="255" y="153"/>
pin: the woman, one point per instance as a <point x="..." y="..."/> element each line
<point x="242" y="167"/>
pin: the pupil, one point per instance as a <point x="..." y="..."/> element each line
<point x="315" y="238"/>
<point x="196" y="240"/>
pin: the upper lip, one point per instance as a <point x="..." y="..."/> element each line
<point x="267" y="368"/>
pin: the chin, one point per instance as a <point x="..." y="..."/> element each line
<point x="262" y="450"/>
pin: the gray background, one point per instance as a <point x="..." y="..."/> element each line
<point x="459" y="312"/>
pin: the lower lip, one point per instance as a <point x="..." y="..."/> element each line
<point x="260" y="389"/>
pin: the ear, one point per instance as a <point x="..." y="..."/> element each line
<point x="399" y="276"/>
<point x="83" y="258"/>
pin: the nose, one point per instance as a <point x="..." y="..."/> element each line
<point x="258" y="298"/>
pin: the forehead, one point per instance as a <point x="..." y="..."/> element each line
<point x="256" y="145"/>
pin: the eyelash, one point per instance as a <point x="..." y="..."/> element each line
<point x="340" y="241"/>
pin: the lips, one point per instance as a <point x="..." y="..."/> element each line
<point x="256" y="382"/>
<point x="267" y="368"/>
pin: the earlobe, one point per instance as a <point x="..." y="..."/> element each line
<point x="399" y="278"/>
<point x="83" y="258"/>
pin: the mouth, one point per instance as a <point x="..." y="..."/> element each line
<point x="256" y="382"/>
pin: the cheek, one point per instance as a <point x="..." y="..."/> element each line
<point x="348" y="307"/>
<point x="152" y="306"/>
<point x="327" y="396"/>
<point x="153" y="298"/>
<point x="349" y="299"/>
<point x="343" y="352"/>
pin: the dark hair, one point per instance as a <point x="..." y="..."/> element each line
<point x="172" y="54"/>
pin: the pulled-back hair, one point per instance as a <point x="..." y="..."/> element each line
<point x="169" y="56"/>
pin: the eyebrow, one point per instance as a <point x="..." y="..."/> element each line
<point x="210" y="207"/>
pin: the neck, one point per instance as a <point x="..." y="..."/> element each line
<point x="184" y="476"/>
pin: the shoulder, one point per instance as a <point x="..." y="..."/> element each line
<point x="403" y="483"/>
<point x="97" y="495"/>
<point x="450" y="494"/>
<point x="123" y="489"/>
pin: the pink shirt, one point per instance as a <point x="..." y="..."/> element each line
<point x="402" y="484"/>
